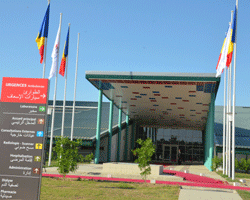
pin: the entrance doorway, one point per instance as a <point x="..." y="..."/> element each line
<point x="191" y="153"/>
<point x="170" y="153"/>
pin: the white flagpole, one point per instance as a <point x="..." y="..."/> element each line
<point x="54" y="100"/>
<point x="224" y="121"/>
<point x="227" y="126"/>
<point x="230" y="112"/>
<point x="64" y="101"/>
<point x="234" y="84"/>
<point x="230" y="121"/>
<point x="227" y="122"/>
<point x="74" y="102"/>
<point x="44" y="58"/>
<point x="45" y="50"/>
<point x="227" y="118"/>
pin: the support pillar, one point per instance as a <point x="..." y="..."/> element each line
<point x="110" y="130"/>
<point x="126" y="139"/>
<point x="133" y="136"/>
<point x="150" y="132"/>
<point x="119" y="134"/>
<point x="155" y="134"/>
<point x="209" y="139"/>
<point x="152" y="129"/>
<point x="98" y="127"/>
<point x="204" y="145"/>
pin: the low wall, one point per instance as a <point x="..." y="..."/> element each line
<point x="129" y="168"/>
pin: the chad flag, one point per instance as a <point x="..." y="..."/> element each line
<point x="232" y="41"/>
<point x="64" y="56"/>
<point x="43" y="33"/>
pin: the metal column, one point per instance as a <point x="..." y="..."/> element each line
<point x="119" y="134"/>
<point x="155" y="134"/>
<point x="110" y="130"/>
<point x="98" y="127"/>
<point x="150" y="133"/>
<point x="133" y="136"/>
<point x="126" y="139"/>
<point x="209" y="140"/>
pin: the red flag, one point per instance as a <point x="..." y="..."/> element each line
<point x="65" y="56"/>
<point x="232" y="41"/>
<point x="43" y="33"/>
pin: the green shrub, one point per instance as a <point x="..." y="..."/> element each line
<point x="244" y="165"/>
<point x="67" y="154"/>
<point x="144" y="155"/>
<point x="237" y="164"/>
<point x="81" y="159"/>
<point x="248" y="162"/>
<point x="88" y="158"/>
<point x="216" y="162"/>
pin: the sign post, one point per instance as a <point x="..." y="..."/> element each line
<point x="23" y="110"/>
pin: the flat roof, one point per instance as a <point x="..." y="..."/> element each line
<point x="162" y="100"/>
<point x="152" y="75"/>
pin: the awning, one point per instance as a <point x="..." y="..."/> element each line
<point x="162" y="100"/>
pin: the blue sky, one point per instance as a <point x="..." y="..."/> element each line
<point x="118" y="35"/>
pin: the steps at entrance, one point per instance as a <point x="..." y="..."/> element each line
<point x="193" y="177"/>
<point x="129" y="168"/>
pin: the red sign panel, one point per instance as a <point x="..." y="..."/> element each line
<point x="24" y="90"/>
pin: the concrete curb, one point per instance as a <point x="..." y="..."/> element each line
<point x="219" y="186"/>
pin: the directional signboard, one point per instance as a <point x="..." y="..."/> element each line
<point x="22" y="124"/>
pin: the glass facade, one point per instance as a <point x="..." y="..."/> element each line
<point x="169" y="141"/>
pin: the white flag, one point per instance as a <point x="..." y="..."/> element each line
<point x="223" y="59"/>
<point x="55" y="55"/>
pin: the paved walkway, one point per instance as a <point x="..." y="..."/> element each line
<point x="186" y="192"/>
<point x="197" y="170"/>
<point x="195" y="193"/>
<point x="96" y="170"/>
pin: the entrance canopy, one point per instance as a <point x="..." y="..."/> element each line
<point x="162" y="100"/>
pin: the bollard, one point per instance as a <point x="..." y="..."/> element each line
<point x="236" y="184"/>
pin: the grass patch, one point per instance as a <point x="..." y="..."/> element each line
<point x="237" y="175"/>
<point x="245" y="195"/>
<point x="228" y="179"/>
<point x="242" y="175"/>
<point x="58" y="189"/>
<point x="125" y="186"/>
<point x="52" y="164"/>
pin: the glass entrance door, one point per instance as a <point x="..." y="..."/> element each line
<point x="170" y="153"/>
<point x="166" y="153"/>
<point x="174" y="151"/>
